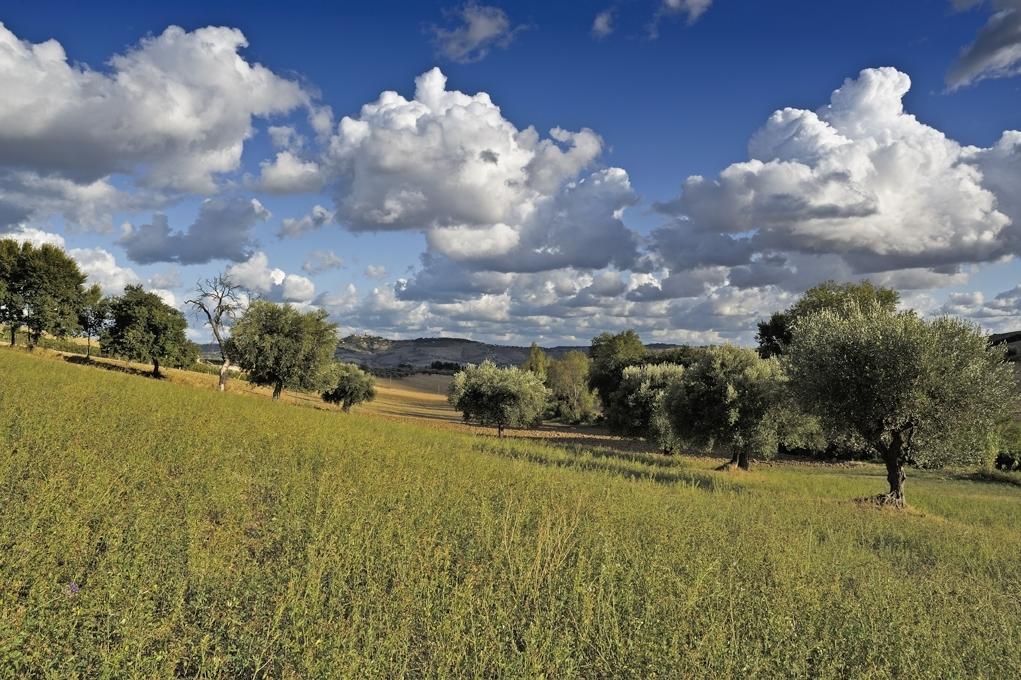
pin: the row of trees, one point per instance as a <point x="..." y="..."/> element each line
<point x="43" y="291"/>
<point x="842" y="367"/>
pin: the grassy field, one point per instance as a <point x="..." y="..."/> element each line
<point x="152" y="529"/>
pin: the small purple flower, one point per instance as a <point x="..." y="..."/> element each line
<point x="73" y="587"/>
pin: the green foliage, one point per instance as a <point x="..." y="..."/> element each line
<point x="93" y="315"/>
<point x="924" y="392"/>
<point x="144" y="328"/>
<point x="728" y="398"/>
<point x="610" y="355"/>
<point x="572" y="400"/>
<point x="348" y="385"/>
<point x="682" y="356"/>
<point x="1008" y="456"/>
<point x="777" y="333"/>
<point x="11" y="303"/>
<point x="636" y="407"/>
<point x="280" y="347"/>
<point x="288" y="543"/>
<point x="499" y="397"/>
<point x="537" y="362"/>
<point x="41" y="289"/>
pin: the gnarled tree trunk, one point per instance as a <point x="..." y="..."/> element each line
<point x="156" y="369"/>
<point x="894" y="455"/>
<point x="224" y="368"/>
<point x="737" y="459"/>
<point x="277" y="390"/>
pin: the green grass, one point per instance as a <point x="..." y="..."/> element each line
<point x="229" y="536"/>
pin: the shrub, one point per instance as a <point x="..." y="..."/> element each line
<point x="348" y="385"/>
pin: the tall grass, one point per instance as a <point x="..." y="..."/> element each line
<point x="228" y="536"/>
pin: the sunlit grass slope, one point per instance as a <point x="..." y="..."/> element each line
<point x="230" y="536"/>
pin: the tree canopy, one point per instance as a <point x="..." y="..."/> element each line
<point x="610" y="354"/>
<point x="41" y="288"/>
<point x="280" y="347"/>
<point x="776" y="334"/>
<point x="728" y="398"/>
<point x="348" y="385"/>
<point x="144" y="328"/>
<point x="572" y="400"/>
<point x="537" y="362"/>
<point x="928" y="393"/>
<point x="499" y="397"/>
<point x="93" y="315"/>
<point x="636" y="408"/>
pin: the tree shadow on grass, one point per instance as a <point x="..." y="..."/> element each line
<point x="607" y="462"/>
<point x="992" y="477"/>
<point x="108" y="365"/>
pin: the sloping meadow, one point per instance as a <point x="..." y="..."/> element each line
<point x="150" y="529"/>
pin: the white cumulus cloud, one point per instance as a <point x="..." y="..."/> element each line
<point x="271" y="283"/>
<point x="172" y="114"/>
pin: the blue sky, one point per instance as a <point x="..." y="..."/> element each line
<point x="596" y="228"/>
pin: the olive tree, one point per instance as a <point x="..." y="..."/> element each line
<point x="219" y="299"/>
<point x="144" y="328"/>
<point x="728" y="399"/>
<point x="348" y="385"/>
<point x="928" y="393"/>
<point x="636" y="408"/>
<point x="775" y="334"/>
<point x="280" y="347"/>
<point x="499" y="397"/>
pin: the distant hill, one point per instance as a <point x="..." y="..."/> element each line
<point x="377" y="352"/>
<point x="1012" y="340"/>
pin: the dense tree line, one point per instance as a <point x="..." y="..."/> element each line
<point x="41" y="290"/>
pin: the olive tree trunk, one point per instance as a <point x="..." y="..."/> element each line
<point x="277" y="390"/>
<point x="742" y="460"/>
<point x="224" y="368"/>
<point x="739" y="459"/>
<point x="156" y="369"/>
<point x="894" y="456"/>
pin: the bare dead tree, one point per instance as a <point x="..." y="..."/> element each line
<point x="220" y="299"/>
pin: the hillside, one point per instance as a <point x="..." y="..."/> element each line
<point x="152" y="529"/>
<point x="1011" y="340"/>
<point x="377" y="352"/>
